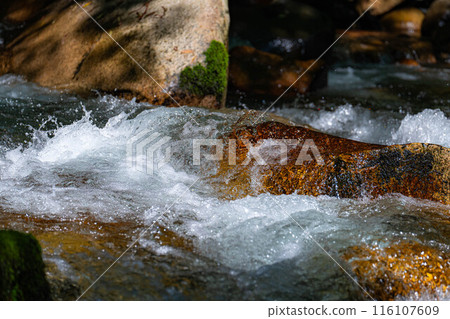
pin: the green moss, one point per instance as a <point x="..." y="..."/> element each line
<point x="209" y="80"/>
<point x="22" y="275"/>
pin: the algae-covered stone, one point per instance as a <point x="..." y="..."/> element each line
<point x="210" y="79"/>
<point x="22" y="275"/>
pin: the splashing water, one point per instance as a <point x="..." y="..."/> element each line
<point x="64" y="175"/>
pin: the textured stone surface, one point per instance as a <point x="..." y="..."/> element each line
<point x="65" y="49"/>
<point x="347" y="169"/>
<point x="406" y="21"/>
<point x="400" y="270"/>
<point x="261" y="73"/>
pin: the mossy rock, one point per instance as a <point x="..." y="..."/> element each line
<point x="22" y="275"/>
<point x="210" y="80"/>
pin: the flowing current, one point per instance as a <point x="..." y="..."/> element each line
<point x="65" y="176"/>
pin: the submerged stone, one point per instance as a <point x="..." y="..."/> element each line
<point x="22" y="275"/>
<point x="399" y="271"/>
<point x="280" y="159"/>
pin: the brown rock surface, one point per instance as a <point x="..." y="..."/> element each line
<point x="262" y="73"/>
<point x="400" y="270"/>
<point x="344" y="168"/>
<point x="65" y="49"/>
<point x="406" y="21"/>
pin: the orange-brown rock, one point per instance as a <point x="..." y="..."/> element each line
<point x="321" y="164"/>
<point x="63" y="48"/>
<point x="400" y="270"/>
<point x="384" y="47"/>
<point x="409" y="62"/>
<point x="406" y="21"/>
<point x="262" y="73"/>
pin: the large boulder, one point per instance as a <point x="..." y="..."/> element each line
<point x="280" y="159"/>
<point x="22" y="275"/>
<point x="64" y="49"/>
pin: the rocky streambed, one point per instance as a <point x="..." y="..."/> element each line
<point x="65" y="178"/>
<point x="241" y="219"/>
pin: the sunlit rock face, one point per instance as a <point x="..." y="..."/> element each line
<point x="403" y="270"/>
<point x="64" y="49"/>
<point x="280" y="159"/>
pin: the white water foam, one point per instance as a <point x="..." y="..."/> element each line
<point x="83" y="168"/>
<point x="379" y="127"/>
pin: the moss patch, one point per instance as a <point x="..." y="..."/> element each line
<point x="22" y="275"/>
<point x="209" y="80"/>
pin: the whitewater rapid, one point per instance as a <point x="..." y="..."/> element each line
<point x="71" y="159"/>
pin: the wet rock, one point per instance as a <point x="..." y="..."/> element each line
<point x="65" y="49"/>
<point x="261" y="73"/>
<point x="21" y="268"/>
<point x="436" y="24"/>
<point x="383" y="47"/>
<point x="380" y="7"/>
<point x="287" y="159"/>
<point x="403" y="270"/>
<point x="286" y="28"/>
<point x="406" y="21"/>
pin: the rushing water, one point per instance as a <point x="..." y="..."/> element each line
<point x="64" y="176"/>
